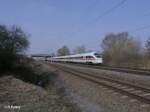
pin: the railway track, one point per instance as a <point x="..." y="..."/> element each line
<point x="137" y="92"/>
<point x="145" y="72"/>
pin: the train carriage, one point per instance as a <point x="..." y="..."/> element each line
<point x="91" y="57"/>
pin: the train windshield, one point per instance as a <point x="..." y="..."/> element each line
<point x="97" y="55"/>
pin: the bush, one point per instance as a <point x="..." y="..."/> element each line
<point x="6" y="62"/>
<point x="27" y="74"/>
<point x="13" y="41"/>
<point x="121" y="50"/>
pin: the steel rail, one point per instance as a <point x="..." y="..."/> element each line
<point x="144" y="72"/>
<point x="97" y="80"/>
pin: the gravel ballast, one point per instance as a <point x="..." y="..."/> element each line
<point x="133" y="78"/>
<point x="92" y="97"/>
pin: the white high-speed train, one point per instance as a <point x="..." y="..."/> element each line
<point x="91" y="57"/>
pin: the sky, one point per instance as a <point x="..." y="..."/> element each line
<point x="51" y="24"/>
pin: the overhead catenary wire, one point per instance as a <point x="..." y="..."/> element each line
<point x="141" y="28"/>
<point x="115" y="7"/>
<point x="92" y="5"/>
<point x="110" y="10"/>
<point x="138" y="29"/>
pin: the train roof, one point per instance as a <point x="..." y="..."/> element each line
<point x="76" y="55"/>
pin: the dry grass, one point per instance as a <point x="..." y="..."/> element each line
<point x="32" y="98"/>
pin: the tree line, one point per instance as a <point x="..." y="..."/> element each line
<point x="13" y="44"/>
<point x="119" y="49"/>
<point x="124" y="50"/>
<point x="66" y="51"/>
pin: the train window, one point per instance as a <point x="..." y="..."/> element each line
<point x="89" y="57"/>
<point x="97" y="55"/>
<point x="78" y="57"/>
<point x="81" y="57"/>
<point x="73" y="58"/>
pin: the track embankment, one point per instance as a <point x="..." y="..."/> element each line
<point x="16" y="95"/>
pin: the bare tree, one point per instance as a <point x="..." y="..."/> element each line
<point x="146" y="56"/>
<point x="79" y="49"/>
<point x="63" y="51"/>
<point x="121" y="49"/>
<point x="148" y="47"/>
<point x="13" y="41"/>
